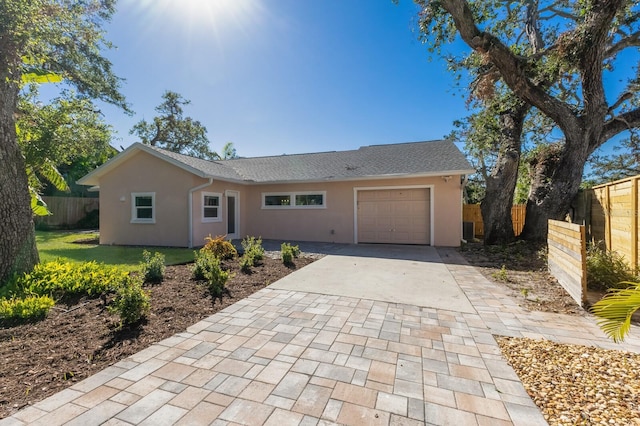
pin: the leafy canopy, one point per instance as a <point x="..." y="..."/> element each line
<point x="172" y="131"/>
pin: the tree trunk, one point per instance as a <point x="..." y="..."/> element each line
<point x="501" y="183"/>
<point x="18" y="252"/>
<point x="555" y="181"/>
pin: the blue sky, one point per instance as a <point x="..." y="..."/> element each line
<point x="283" y="76"/>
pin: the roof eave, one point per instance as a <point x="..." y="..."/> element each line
<point x="366" y="177"/>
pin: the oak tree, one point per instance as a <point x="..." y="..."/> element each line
<point x="63" y="37"/>
<point x="580" y="42"/>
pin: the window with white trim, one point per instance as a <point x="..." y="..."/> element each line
<point x="294" y="200"/>
<point x="211" y="207"/>
<point x="143" y="207"/>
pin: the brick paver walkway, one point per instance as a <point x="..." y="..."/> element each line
<point x="291" y="358"/>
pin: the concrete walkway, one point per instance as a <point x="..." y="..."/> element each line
<point x="290" y="357"/>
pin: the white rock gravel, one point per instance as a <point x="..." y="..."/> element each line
<point x="577" y="385"/>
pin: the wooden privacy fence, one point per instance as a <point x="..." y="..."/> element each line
<point x="567" y="258"/>
<point x="67" y="211"/>
<point x="610" y="214"/>
<point x="472" y="213"/>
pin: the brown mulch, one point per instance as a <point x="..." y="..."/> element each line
<point x="522" y="268"/>
<point x="74" y="342"/>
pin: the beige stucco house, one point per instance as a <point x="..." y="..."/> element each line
<point x="408" y="193"/>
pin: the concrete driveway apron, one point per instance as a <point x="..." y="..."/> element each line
<point x="422" y="353"/>
<point x="411" y="275"/>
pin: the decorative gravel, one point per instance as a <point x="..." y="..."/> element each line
<point x="577" y="385"/>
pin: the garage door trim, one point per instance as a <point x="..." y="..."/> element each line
<point x="376" y="188"/>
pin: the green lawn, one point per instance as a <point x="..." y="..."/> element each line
<point x="55" y="244"/>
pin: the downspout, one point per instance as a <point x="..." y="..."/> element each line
<point x="191" y="191"/>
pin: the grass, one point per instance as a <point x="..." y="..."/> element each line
<point x="56" y="244"/>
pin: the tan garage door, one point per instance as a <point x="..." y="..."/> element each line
<point x="394" y="216"/>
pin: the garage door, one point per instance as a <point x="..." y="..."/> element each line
<point x="394" y="216"/>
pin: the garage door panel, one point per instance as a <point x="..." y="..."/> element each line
<point x="398" y="216"/>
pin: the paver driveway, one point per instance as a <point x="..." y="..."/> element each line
<point x="294" y="357"/>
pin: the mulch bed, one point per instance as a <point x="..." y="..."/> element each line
<point x="522" y="268"/>
<point x="76" y="341"/>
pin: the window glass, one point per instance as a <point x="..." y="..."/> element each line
<point x="143" y="207"/>
<point x="294" y="200"/>
<point x="211" y="206"/>
<point x="277" y="200"/>
<point x="309" y="200"/>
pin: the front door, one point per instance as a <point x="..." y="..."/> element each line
<point x="233" y="214"/>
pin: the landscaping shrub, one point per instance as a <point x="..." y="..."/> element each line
<point x="253" y="249"/>
<point x="246" y="262"/>
<point x="131" y="301"/>
<point x="607" y="269"/>
<point x="288" y="252"/>
<point x="220" y="247"/>
<point x="28" y="308"/>
<point x="153" y="267"/>
<point x="208" y="267"/>
<point x="60" y="278"/>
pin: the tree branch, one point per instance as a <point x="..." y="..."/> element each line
<point x="512" y="67"/>
<point x="631" y="40"/>
<point x="620" y="123"/>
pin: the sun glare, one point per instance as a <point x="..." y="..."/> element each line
<point x="218" y="16"/>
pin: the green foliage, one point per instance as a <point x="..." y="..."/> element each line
<point x="614" y="311"/>
<point x="28" y="308"/>
<point x="253" y="249"/>
<point x="246" y="262"/>
<point x="61" y="244"/>
<point x="288" y="252"/>
<point x="153" y="267"/>
<point x="172" y="131"/>
<point x="29" y="296"/>
<point x="623" y="162"/>
<point x="204" y="261"/>
<point x="60" y="279"/>
<point x="607" y="269"/>
<point x="220" y="247"/>
<point x="131" y="301"/>
<point x="501" y="274"/>
<point x="208" y="267"/>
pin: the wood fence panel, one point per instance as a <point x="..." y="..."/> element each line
<point x="567" y="258"/>
<point x="472" y="213"/>
<point x="67" y="211"/>
<point x="614" y="218"/>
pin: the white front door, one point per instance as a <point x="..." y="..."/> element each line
<point x="233" y="214"/>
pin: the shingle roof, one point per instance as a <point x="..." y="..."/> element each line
<point x="403" y="159"/>
<point x="414" y="158"/>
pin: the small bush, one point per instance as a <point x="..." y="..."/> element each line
<point x="501" y="274"/>
<point x="60" y="278"/>
<point x="288" y="252"/>
<point x="220" y="247"/>
<point x="208" y="267"/>
<point x="253" y="249"/>
<point x="203" y="261"/>
<point x="131" y="301"/>
<point x="153" y="267"/>
<point x="28" y="308"/>
<point x="246" y="262"/>
<point x="607" y="269"/>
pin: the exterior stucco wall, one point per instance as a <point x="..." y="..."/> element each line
<point x="146" y="173"/>
<point x="143" y="172"/>
<point x="335" y="223"/>
<point x="201" y="228"/>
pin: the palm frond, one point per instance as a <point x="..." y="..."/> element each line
<point x="615" y="309"/>
<point x="38" y="206"/>
<point x="50" y="172"/>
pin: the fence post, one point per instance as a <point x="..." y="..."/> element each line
<point x="607" y="219"/>
<point x="633" y="217"/>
